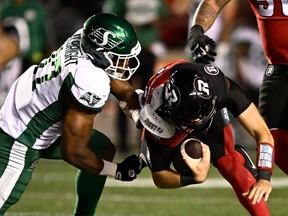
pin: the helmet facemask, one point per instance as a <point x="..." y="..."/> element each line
<point x="123" y="66"/>
<point x="185" y="117"/>
<point x="111" y="43"/>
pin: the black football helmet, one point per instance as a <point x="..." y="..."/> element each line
<point x="189" y="98"/>
<point x="111" y="43"/>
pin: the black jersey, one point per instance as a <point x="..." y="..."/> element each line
<point x="228" y="95"/>
<point x="220" y="134"/>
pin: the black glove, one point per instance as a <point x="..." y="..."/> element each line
<point x="128" y="169"/>
<point x="202" y="47"/>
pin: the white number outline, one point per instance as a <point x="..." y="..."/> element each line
<point x="266" y="7"/>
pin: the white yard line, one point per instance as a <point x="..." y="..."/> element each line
<point x="216" y="182"/>
<point x="279" y="182"/>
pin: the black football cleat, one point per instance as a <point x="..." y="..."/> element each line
<point x="248" y="162"/>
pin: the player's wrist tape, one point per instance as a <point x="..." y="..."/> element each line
<point x="187" y="179"/>
<point x="140" y="94"/>
<point x="135" y="114"/>
<point x="265" y="157"/>
<point x="109" y="169"/>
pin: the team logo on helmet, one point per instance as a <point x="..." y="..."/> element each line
<point x="270" y="70"/>
<point x="172" y="95"/>
<point x="210" y="69"/>
<point x="202" y="87"/>
<point x="105" y="38"/>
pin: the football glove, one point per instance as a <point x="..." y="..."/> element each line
<point x="202" y="47"/>
<point x="128" y="169"/>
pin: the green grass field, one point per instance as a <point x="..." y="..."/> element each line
<point x="51" y="192"/>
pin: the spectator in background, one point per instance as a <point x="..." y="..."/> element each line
<point x="247" y="52"/>
<point x="11" y="46"/>
<point x="8" y="47"/>
<point x="67" y="16"/>
<point x="174" y="29"/>
<point x="29" y="14"/>
<point x="146" y="17"/>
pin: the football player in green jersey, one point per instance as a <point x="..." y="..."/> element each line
<point x="50" y="110"/>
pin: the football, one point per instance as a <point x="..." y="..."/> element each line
<point x="193" y="148"/>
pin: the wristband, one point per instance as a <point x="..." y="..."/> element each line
<point x="109" y="169"/>
<point x="197" y="28"/>
<point x="265" y="157"/>
<point x="187" y="179"/>
<point x="264" y="174"/>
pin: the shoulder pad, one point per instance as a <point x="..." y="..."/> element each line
<point x="155" y="124"/>
<point x="92" y="87"/>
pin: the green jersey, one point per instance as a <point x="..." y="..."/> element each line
<point x="36" y="104"/>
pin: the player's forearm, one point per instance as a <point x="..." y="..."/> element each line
<point x="131" y="107"/>
<point x="169" y="179"/>
<point x="83" y="159"/>
<point x="253" y="122"/>
<point x="124" y="91"/>
<point x="207" y="13"/>
<point x="166" y="179"/>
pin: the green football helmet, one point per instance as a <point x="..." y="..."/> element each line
<point x="111" y="43"/>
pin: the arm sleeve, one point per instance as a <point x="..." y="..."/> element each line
<point x="237" y="101"/>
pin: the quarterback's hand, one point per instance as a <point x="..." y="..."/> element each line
<point x="199" y="167"/>
<point x="261" y="189"/>
<point x="128" y="169"/>
<point x="202" y="47"/>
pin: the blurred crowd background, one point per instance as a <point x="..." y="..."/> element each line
<point x="39" y="27"/>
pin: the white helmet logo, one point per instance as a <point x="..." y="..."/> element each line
<point x="171" y="95"/>
<point x="101" y="37"/>
<point x="202" y="87"/>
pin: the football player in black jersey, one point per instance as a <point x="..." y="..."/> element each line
<point x="191" y="100"/>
